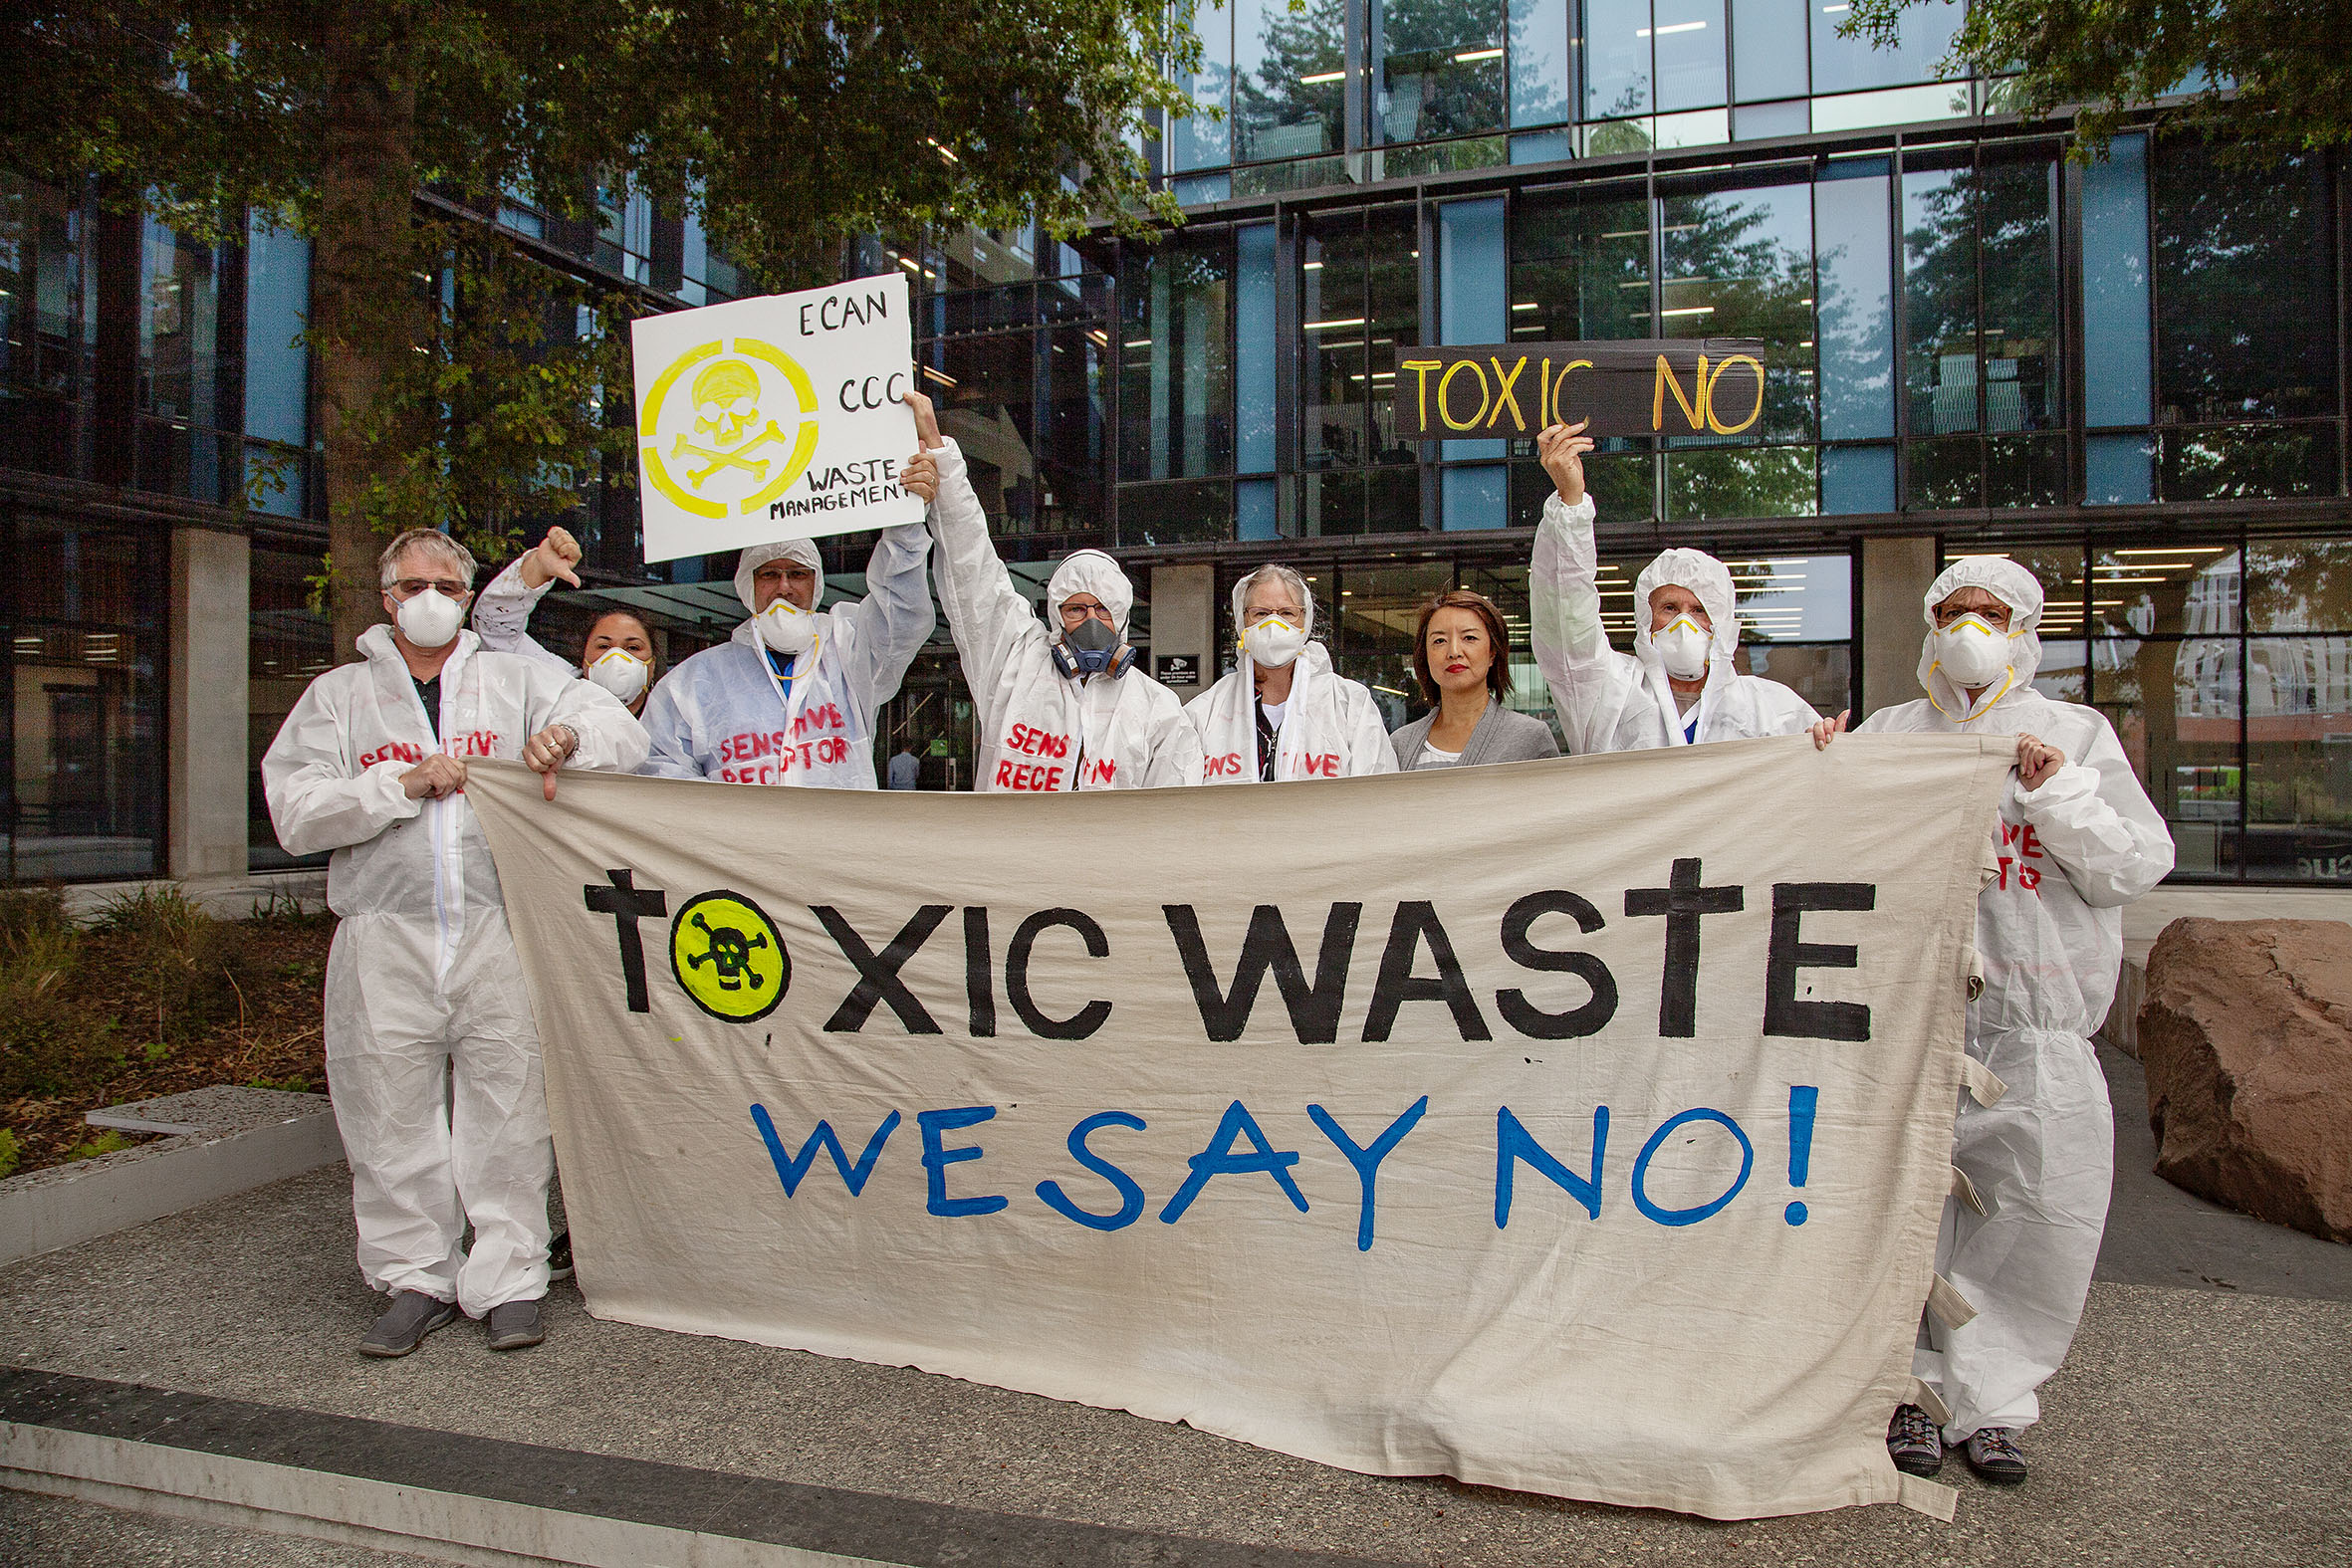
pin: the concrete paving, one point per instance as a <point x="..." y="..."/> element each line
<point x="61" y="1533"/>
<point x="2202" y="1417"/>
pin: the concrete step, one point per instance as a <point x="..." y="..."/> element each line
<point x="464" y="1499"/>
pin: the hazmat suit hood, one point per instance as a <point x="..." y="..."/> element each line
<point x="2014" y="587"/>
<point x="1704" y="575"/>
<point x="1089" y="572"/>
<point x="748" y="564"/>
<point x="1240" y="597"/>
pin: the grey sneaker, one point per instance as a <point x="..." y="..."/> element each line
<point x="559" y="1256"/>
<point x="1992" y="1453"/>
<point x="404" y="1323"/>
<point x="515" y="1325"/>
<point x="1914" y="1442"/>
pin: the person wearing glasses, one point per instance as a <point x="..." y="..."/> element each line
<point x="792" y="696"/>
<point x="1282" y="712"/>
<point x="1679" y="686"/>
<point x="2077" y="839"/>
<point x="433" y="1058"/>
<point x="1462" y="662"/>
<point x="1061" y="704"/>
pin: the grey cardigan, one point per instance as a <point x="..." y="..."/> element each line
<point x="1500" y="737"/>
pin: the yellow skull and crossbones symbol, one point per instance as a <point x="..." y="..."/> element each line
<point x="726" y="406"/>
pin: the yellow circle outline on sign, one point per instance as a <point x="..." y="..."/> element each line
<point x="766" y="970"/>
<point x="803" y="448"/>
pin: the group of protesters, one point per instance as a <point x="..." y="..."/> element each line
<point x="433" y="1060"/>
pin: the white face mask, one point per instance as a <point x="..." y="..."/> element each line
<point x="1272" y="643"/>
<point x="1971" y="652"/>
<point x="787" y="627"/>
<point x="622" y="673"/>
<point x="1683" y="647"/>
<point x="428" y="621"/>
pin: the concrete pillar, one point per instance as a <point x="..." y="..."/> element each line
<point x="1184" y="624"/>
<point x="211" y="630"/>
<point x="1895" y="574"/>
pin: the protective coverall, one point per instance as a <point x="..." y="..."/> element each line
<point x="726" y="713"/>
<point x="1042" y="730"/>
<point x="1331" y="727"/>
<point x="502" y="619"/>
<point x="1615" y="702"/>
<point x="422" y="979"/>
<point x="2049" y="936"/>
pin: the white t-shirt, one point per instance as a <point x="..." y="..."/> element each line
<point x="1431" y="757"/>
<point x="1273" y="712"/>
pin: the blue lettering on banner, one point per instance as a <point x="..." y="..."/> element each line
<point x="1218" y="1159"/>
<point x="1130" y="1206"/>
<point x="1367" y="1161"/>
<point x="937" y="1158"/>
<point x="790" y="1169"/>
<point x="1692" y="1216"/>
<point x="1513" y="1143"/>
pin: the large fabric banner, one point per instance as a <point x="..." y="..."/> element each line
<point x="1575" y="1126"/>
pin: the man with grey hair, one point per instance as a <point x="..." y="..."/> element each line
<point x="1282" y="712"/>
<point x="431" y="1055"/>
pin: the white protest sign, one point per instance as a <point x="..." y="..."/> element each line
<point x="1578" y="1126"/>
<point x="774" y="418"/>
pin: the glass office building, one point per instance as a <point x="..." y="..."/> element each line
<point x="2127" y="374"/>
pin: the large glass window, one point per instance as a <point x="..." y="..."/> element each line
<point x="1289" y="84"/>
<point x="1737" y="262"/>
<point x="289" y="646"/>
<point x="2246" y="289"/>
<point x="190" y="369"/>
<point x="1441" y="67"/>
<point x="1176" y="358"/>
<point x="83" y="746"/>
<point x="1848" y="65"/>
<point x="43" y="326"/>
<point x="1359" y="298"/>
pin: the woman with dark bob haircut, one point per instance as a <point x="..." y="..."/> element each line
<point x="1462" y="658"/>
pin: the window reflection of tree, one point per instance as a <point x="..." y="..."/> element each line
<point x="1427" y="89"/>
<point x="1986" y="227"/>
<point x="1291" y="104"/>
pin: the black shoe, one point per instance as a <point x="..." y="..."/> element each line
<point x="515" y="1325"/>
<point x="1914" y="1442"/>
<point x="1992" y="1453"/>
<point x="559" y="1256"/>
<point x="404" y="1323"/>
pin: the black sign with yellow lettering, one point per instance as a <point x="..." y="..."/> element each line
<point x="1630" y="387"/>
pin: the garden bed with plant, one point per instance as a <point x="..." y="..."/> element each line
<point x="154" y="997"/>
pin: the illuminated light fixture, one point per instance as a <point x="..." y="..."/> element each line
<point x="1676" y="27"/>
<point x="1468" y="54"/>
<point x="2176" y="549"/>
<point x="1689" y="310"/>
<point x="1136" y="343"/>
<point x="1321" y="77"/>
<point x="941" y="376"/>
<point x="1310" y="266"/>
<point x="1837" y="10"/>
<point x="1529" y="306"/>
<point x="910" y="264"/>
<point x="1100" y="338"/>
<point x="2106" y="581"/>
<point x="1807" y="344"/>
<point x="1627" y="234"/>
<point x="1317" y="326"/>
<point x="941" y="148"/>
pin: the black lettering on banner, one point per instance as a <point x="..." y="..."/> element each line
<point x="1681" y="901"/>
<point x="1416" y="922"/>
<point x="1522" y="1015"/>
<point x="1267" y="946"/>
<point x="878" y="974"/>
<point x="625" y="903"/>
<point x="1087" y="1018"/>
<point x="1784" y="1014"/>
<point x="980" y="975"/>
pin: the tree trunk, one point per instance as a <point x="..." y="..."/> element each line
<point x="363" y="302"/>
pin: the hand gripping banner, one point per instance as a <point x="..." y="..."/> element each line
<point x="1578" y="1126"/>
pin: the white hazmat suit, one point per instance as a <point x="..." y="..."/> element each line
<point x="725" y="715"/>
<point x="422" y="980"/>
<point x="2050" y="937"/>
<point x="1042" y="730"/>
<point x="1615" y="702"/>
<point x="1330" y="729"/>
<point x="502" y="619"/>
